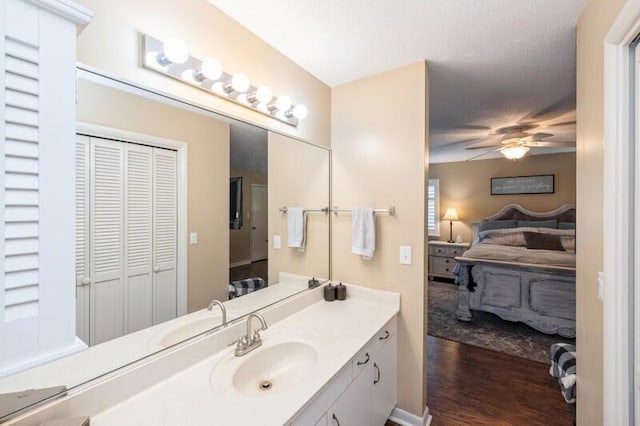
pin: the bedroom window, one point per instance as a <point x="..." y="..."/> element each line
<point x="433" y="207"/>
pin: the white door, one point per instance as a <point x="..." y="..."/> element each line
<point x="165" y="223"/>
<point x="106" y="241"/>
<point x="384" y="390"/>
<point x="83" y="271"/>
<point x="138" y="288"/>
<point x="259" y="223"/>
<point x="352" y="408"/>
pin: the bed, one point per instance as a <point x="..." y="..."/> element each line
<point x="521" y="267"/>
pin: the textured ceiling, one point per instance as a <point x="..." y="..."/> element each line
<point x="493" y="63"/>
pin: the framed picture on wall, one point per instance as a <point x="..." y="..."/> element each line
<point x="539" y="184"/>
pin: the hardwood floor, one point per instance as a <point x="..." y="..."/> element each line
<point x="467" y="385"/>
<point x="255" y="269"/>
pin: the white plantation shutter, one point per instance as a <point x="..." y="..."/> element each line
<point x="138" y="294"/>
<point x="106" y="317"/>
<point x="433" y="207"/>
<point x="83" y="271"/>
<point x="164" y="234"/>
<point x="21" y="178"/>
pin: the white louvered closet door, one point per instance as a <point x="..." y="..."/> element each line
<point x="138" y="295"/>
<point x="107" y="240"/>
<point x="83" y="270"/>
<point x="164" y="235"/>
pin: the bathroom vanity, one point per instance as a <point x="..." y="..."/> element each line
<point x="320" y="363"/>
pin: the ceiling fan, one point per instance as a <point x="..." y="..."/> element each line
<point x="516" y="142"/>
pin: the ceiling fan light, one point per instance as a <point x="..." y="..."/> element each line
<point x="515" y="152"/>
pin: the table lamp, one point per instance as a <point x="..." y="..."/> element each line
<point x="450" y="215"/>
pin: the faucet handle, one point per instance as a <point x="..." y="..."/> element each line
<point x="240" y="342"/>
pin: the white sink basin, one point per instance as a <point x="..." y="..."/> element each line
<point x="268" y="369"/>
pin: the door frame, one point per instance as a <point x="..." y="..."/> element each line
<point x="181" y="148"/>
<point x="251" y="236"/>
<point x="619" y="259"/>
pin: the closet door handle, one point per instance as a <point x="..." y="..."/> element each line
<point x="336" y="419"/>
<point x="156" y="268"/>
<point x="86" y="281"/>
<point x="366" y="360"/>
<point x="377" y="380"/>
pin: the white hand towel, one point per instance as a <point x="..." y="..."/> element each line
<point x="296" y="227"/>
<point x="363" y="232"/>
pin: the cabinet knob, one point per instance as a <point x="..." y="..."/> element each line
<point x="366" y="359"/>
<point x="156" y="268"/>
<point x="86" y="281"/>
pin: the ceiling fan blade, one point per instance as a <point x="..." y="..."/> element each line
<point x="550" y="144"/>
<point x="485" y="146"/>
<point x="482" y="155"/>
<point x="539" y="136"/>
<point x="453" y="144"/>
<point x="469" y="127"/>
<point x="566" y="123"/>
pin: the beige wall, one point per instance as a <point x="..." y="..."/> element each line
<point x="240" y="239"/>
<point x="466" y="186"/>
<point x="379" y="141"/>
<point x="111" y="43"/>
<point x="300" y="172"/>
<point x="594" y="24"/>
<point x="208" y="155"/>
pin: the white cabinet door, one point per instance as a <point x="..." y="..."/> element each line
<point x="106" y="307"/>
<point x="138" y="293"/>
<point x="165" y="225"/>
<point x="83" y="271"/>
<point x="353" y="406"/>
<point x="384" y="390"/>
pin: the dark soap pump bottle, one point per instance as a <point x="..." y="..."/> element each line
<point x="341" y="292"/>
<point x="329" y="292"/>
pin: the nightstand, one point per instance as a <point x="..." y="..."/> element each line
<point x="441" y="255"/>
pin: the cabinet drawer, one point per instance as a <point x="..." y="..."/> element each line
<point x="365" y="356"/>
<point x="440" y="250"/>
<point x="441" y="265"/>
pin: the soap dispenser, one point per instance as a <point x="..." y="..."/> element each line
<point x="341" y="292"/>
<point x="313" y="282"/>
<point x="329" y="292"/>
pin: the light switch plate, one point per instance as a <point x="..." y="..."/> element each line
<point x="193" y="238"/>
<point x="601" y="286"/>
<point x="277" y="242"/>
<point x="405" y="255"/>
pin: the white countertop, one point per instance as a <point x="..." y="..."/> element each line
<point x="337" y="330"/>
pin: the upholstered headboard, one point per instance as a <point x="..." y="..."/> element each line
<point x="565" y="213"/>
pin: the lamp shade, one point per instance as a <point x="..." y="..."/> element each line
<point x="451" y="214"/>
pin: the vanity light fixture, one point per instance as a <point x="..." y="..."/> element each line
<point x="515" y="152"/>
<point x="172" y="59"/>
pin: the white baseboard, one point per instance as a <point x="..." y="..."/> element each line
<point x="241" y="263"/>
<point x="405" y="418"/>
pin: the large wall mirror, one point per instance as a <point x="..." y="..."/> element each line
<point x="176" y="207"/>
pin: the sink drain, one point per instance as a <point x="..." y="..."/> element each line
<point x="265" y="385"/>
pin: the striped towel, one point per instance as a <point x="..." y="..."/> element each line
<point x="563" y="368"/>
<point x="242" y="287"/>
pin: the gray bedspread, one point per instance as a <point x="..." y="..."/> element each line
<point x="521" y="255"/>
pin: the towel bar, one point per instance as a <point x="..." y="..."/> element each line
<point x="391" y="211"/>
<point x="324" y="210"/>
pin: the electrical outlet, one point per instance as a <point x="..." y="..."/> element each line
<point x="193" y="238"/>
<point x="405" y="255"/>
<point x="277" y="242"/>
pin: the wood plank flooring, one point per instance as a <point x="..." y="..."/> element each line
<point x="467" y="385"/>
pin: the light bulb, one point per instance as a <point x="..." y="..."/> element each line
<point x="515" y="152"/>
<point x="210" y="69"/>
<point x="175" y="52"/>
<point x="263" y="94"/>
<point x="300" y="112"/>
<point x="240" y="83"/>
<point x="283" y="103"/>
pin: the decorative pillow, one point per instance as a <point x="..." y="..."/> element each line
<point x="553" y="224"/>
<point x="566" y="225"/>
<point x="497" y="224"/>
<point x="540" y="241"/>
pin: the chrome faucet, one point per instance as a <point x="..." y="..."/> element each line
<point x="250" y="341"/>
<point x="222" y="308"/>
